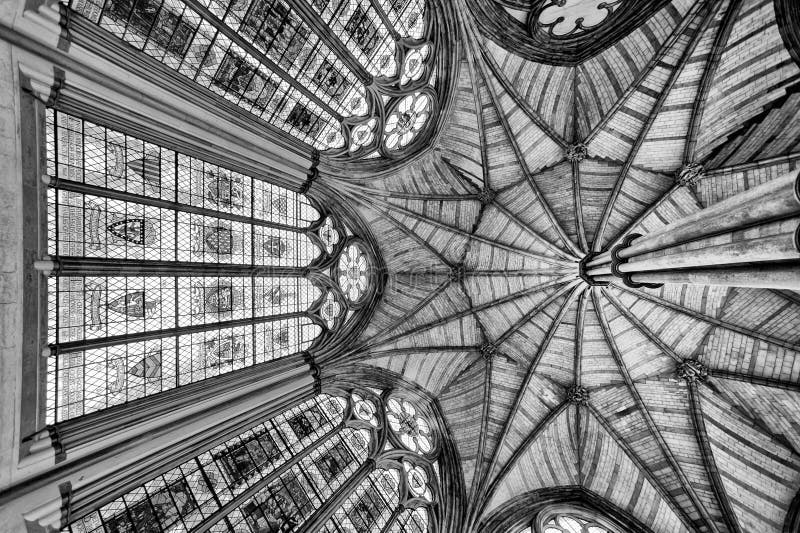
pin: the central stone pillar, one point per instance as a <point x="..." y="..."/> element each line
<point x="749" y="240"/>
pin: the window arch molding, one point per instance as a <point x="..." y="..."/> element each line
<point x="316" y="114"/>
<point x="341" y="376"/>
<point x="135" y="195"/>
<point x="535" y="507"/>
<point x="536" y="42"/>
<point x="333" y="444"/>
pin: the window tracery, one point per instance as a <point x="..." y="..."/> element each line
<point x="324" y="71"/>
<point x="566" y="522"/>
<point x="169" y="270"/>
<point x="325" y="461"/>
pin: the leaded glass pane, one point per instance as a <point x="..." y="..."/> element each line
<point x="369" y="507"/>
<point x="407" y="16"/>
<point x="80" y="151"/>
<point x="155" y="220"/>
<point x="186" y="495"/>
<point x="411" y="521"/>
<point x="358" y="25"/>
<point x="86" y="381"/>
<point x="183" y="40"/>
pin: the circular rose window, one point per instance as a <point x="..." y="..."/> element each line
<point x="411" y="428"/>
<point x="353" y="272"/>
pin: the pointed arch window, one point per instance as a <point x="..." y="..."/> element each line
<point x="327" y="72"/>
<point x="568" y="521"/>
<point x="167" y="270"/>
<point x="330" y="464"/>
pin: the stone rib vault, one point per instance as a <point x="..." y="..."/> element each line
<point x="673" y="403"/>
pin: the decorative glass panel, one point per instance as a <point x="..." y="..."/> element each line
<point x="302" y="70"/>
<point x="118" y="337"/>
<point x="192" y="492"/>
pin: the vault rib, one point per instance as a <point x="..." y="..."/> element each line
<point x="704" y="13"/>
<point x="749" y="332"/>
<point x="709" y="463"/>
<point x="523" y="165"/>
<point x="557" y="320"/>
<point x="679" y="511"/>
<point x="708" y="77"/>
<point x="651" y="425"/>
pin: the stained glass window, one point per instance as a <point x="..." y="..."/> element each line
<point x="572" y="523"/>
<point x="172" y="270"/>
<point x="284" y="473"/>
<point x="306" y="69"/>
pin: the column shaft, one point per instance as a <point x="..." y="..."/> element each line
<point x="776" y="199"/>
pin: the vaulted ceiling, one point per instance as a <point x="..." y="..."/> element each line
<point x="484" y="307"/>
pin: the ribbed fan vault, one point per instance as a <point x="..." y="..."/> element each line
<point x="545" y="381"/>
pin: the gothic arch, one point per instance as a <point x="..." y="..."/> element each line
<point x="532" y="507"/>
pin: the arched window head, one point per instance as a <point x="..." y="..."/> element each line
<point x="327" y="72"/>
<point x="560" y="519"/>
<point x="166" y="269"/>
<point x="573" y="523"/>
<point x="327" y="465"/>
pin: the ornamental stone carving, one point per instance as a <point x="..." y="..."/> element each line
<point x="578" y="395"/>
<point x="692" y="371"/>
<point x="575" y="153"/>
<point x="457" y="273"/>
<point x="488" y="350"/>
<point x="688" y="174"/>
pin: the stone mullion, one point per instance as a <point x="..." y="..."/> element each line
<point x="87" y="344"/>
<point x="262" y="58"/>
<point x="116" y="194"/>
<point x="96" y="83"/>
<point x="108" y="453"/>
<point x="326" y="510"/>
<point x="651" y="425"/>
<point x="395" y="515"/>
<point x="385" y="19"/>
<point x="70" y="266"/>
<point x="325" y="33"/>
<point x="240" y="499"/>
<point x="709" y="463"/>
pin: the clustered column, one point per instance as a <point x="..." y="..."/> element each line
<point x="749" y="240"/>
